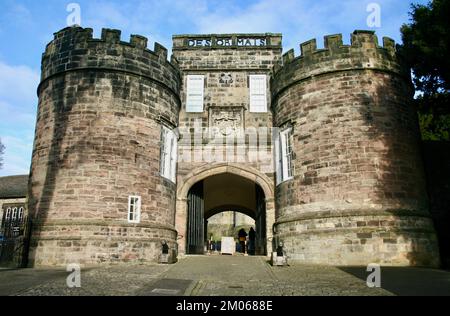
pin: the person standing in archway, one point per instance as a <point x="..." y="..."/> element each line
<point x="251" y="242"/>
<point x="242" y="238"/>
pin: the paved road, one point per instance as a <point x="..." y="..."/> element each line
<point x="224" y="276"/>
<point x="15" y="281"/>
<point x="253" y="276"/>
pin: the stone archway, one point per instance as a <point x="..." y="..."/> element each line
<point x="185" y="183"/>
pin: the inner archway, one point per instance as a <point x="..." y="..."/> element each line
<point x="225" y="192"/>
<point x="228" y="224"/>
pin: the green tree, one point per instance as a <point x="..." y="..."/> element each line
<point x="426" y="48"/>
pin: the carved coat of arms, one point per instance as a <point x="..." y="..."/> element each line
<point x="226" y="78"/>
<point x="226" y="121"/>
<point x="226" y="125"/>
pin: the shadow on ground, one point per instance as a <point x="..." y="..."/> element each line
<point x="13" y="281"/>
<point x="405" y="281"/>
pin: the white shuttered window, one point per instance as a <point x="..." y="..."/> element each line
<point x="283" y="156"/>
<point x="278" y="158"/>
<point x="195" y="93"/>
<point x="134" y="209"/>
<point x="258" y="93"/>
<point x="169" y="154"/>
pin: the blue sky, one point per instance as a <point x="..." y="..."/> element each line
<point x="27" y="26"/>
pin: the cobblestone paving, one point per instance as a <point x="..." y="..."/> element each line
<point x="205" y="276"/>
<point x="253" y="276"/>
<point x="105" y="281"/>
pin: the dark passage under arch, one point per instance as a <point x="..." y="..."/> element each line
<point x="222" y="193"/>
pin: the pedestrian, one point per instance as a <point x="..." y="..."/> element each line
<point x="242" y="238"/>
<point x="251" y="242"/>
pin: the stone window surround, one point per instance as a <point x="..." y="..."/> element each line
<point x="169" y="152"/>
<point x="13" y="211"/>
<point x="284" y="155"/>
<point x="193" y="108"/>
<point x="134" y="209"/>
<point x="252" y="106"/>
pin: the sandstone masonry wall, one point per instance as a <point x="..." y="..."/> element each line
<point x="221" y="99"/>
<point x="358" y="195"/>
<point x="239" y="63"/>
<point x="102" y="104"/>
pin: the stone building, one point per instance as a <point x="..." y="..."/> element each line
<point x="13" y="193"/>
<point x="321" y="150"/>
<point x="14" y="224"/>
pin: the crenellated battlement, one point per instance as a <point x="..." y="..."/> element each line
<point x="106" y="186"/>
<point x="74" y="48"/>
<point x="364" y="52"/>
<point x="335" y="43"/>
<point x="108" y="36"/>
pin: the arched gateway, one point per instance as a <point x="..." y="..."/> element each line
<point x="223" y="187"/>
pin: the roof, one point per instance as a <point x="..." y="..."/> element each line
<point x="13" y="187"/>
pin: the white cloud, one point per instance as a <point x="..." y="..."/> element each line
<point x="103" y="14"/>
<point x="14" y="116"/>
<point x="17" y="156"/>
<point x="18" y="83"/>
<point x="18" y="103"/>
<point x="18" y="15"/>
<point x="152" y="19"/>
<point x="298" y="21"/>
<point x="263" y="16"/>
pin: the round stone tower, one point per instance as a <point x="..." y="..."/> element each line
<point x="358" y="195"/>
<point x="102" y="106"/>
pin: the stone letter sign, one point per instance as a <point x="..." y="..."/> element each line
<point x="227" y="42"/>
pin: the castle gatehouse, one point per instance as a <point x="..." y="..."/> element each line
<point x="133" y="150"/>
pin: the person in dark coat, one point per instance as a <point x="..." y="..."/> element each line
<point x="251" y="242"/>
<point x="242" y="238"/>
